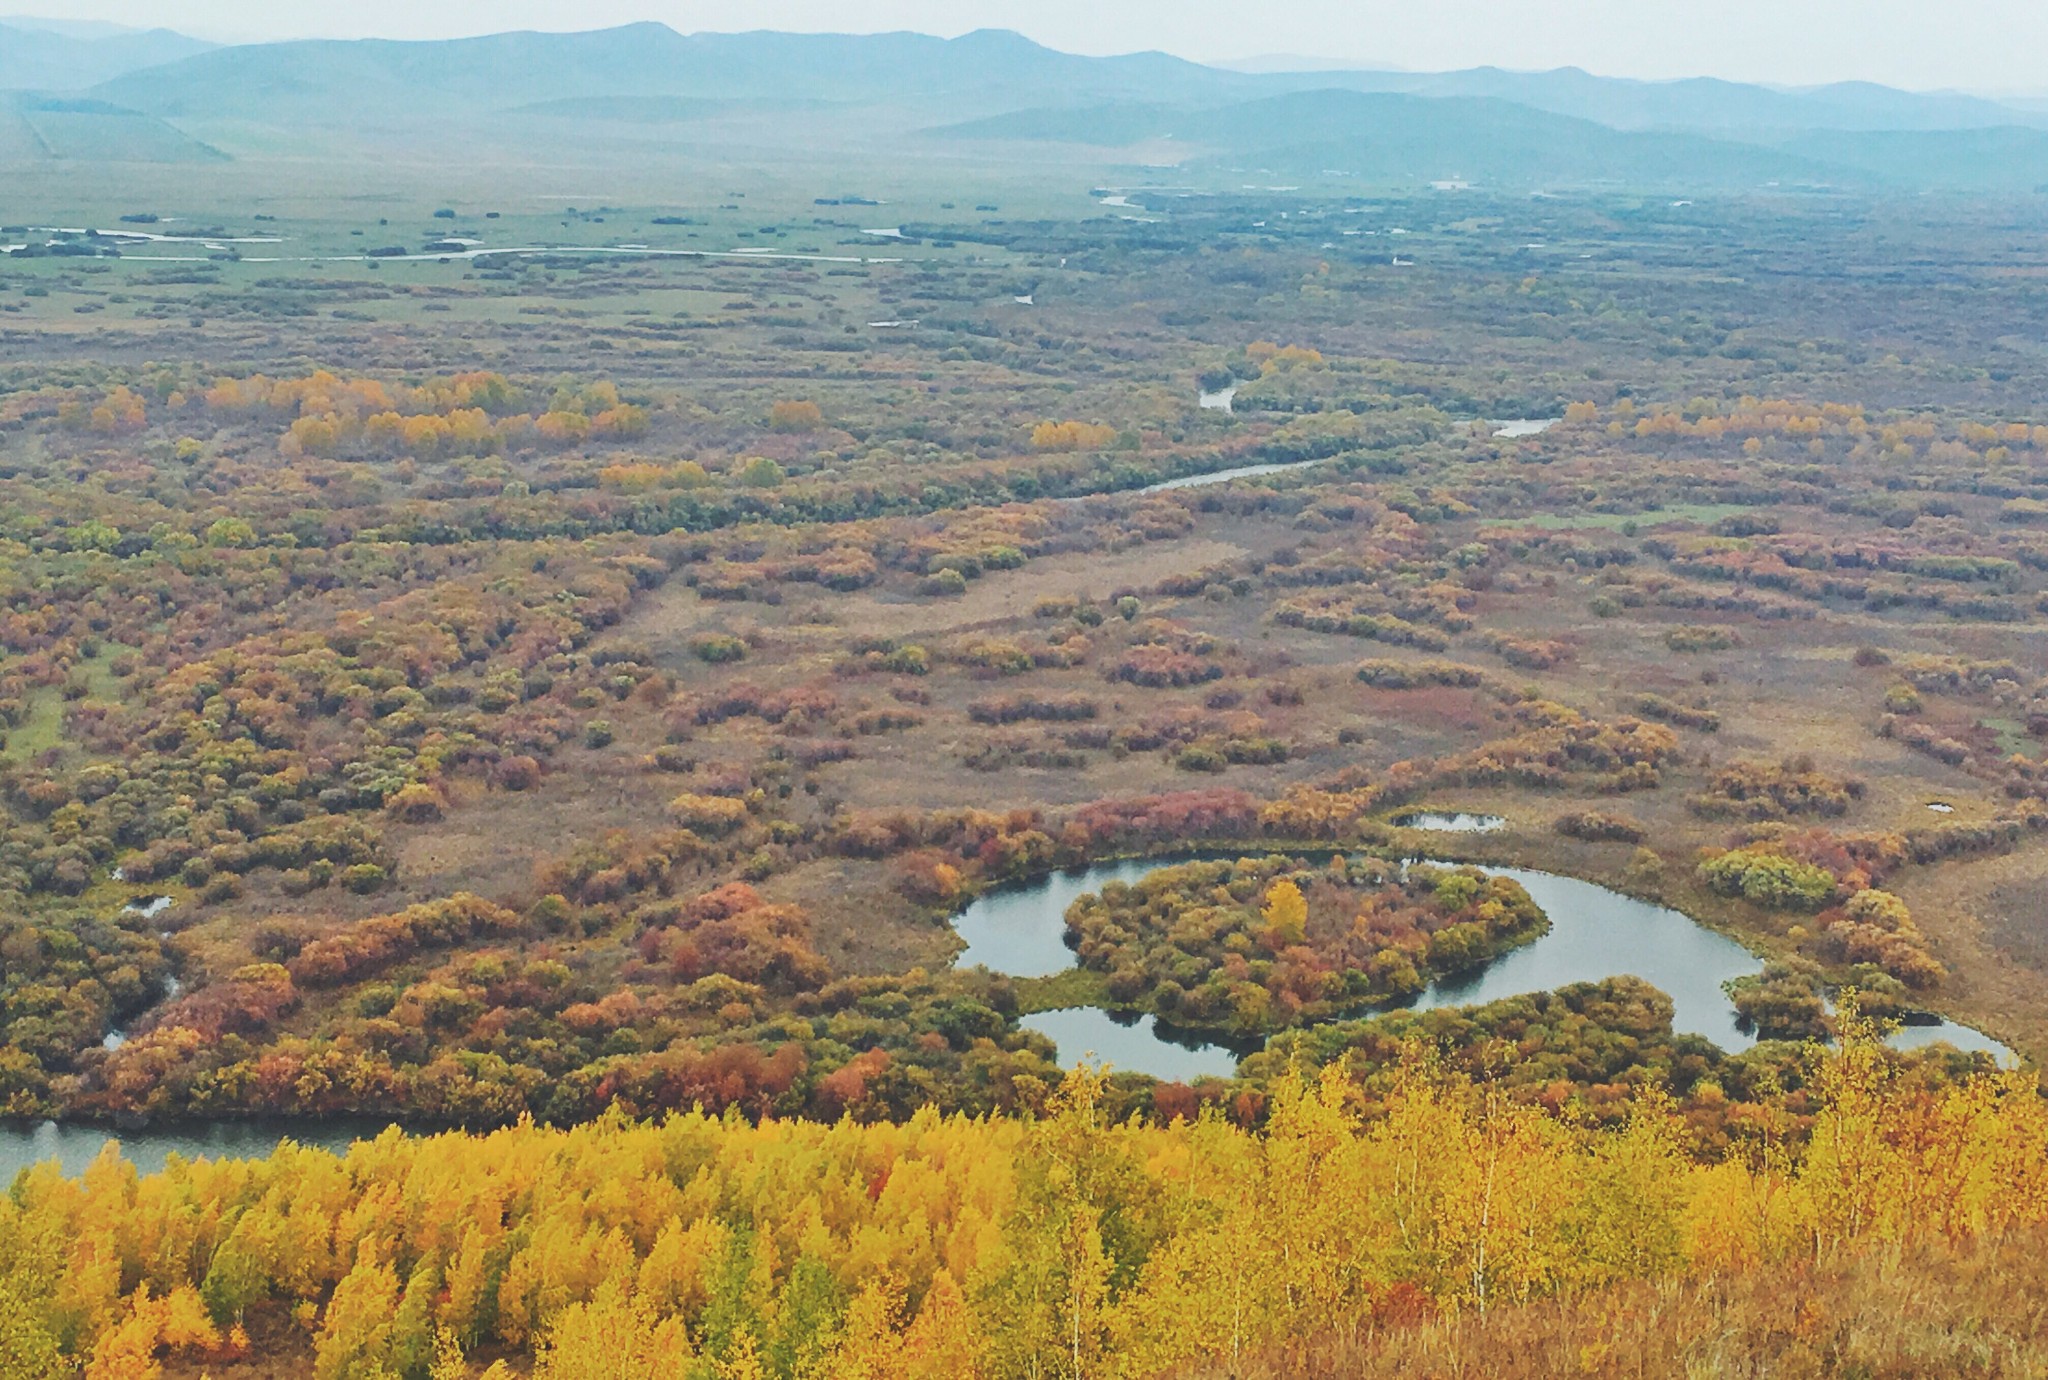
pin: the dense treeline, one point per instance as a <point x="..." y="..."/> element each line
<point x="1263" y="944"/>
<point x="1069" y="1244"/>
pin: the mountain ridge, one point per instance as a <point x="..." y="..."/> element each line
<point x="46" y="60"/>
<point x="1390" y="135"/>
<point x="646" y="59"/>
<point x="1565" y="126"/>
<point x="992" y="66"/>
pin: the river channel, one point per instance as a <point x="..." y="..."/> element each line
<point x="1594" y="933"/>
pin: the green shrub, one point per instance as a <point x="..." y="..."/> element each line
<point x="761" y="473"/>
<point x="364" y="878"/>
<point x="1701" y="639"/>
<point x="718" y="648"/>
<point x="1771" y="880"/>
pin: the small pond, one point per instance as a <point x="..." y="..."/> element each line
<point x="1594" y="933"/>
<point x="1449" y="822"/>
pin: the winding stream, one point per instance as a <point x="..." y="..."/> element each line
<point x="1197" y="481"/>
<point x="1226" y="401"/>
<point x="1594" y="933"/>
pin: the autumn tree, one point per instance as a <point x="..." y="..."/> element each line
<point x="795" y="416"/>
<point x="1286" y="913"/>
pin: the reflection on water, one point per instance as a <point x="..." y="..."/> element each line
<point x="1022" y="930"/>
<point x="1949" y="1033"/>
<point x="1594" y="933"/>
<point x="1135" y="1045"/>
<point x="74" y="1147"/>
<point x="1455" y="822"/>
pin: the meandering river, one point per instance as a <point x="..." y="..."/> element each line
<point x="1594" y="933"/>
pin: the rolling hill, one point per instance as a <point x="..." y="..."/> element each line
<point x="1404" y="138"/>
<point x="36" y="59"/>
<point x="1978" y="160"/>
<point x="1702" y="105"/>
<point x="37" y="128"/>
<point x="1387" y="137"/>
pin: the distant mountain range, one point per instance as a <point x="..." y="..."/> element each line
<point x="378" y="79"/>
<point x="1387" y="137"/>
<point x="1701" y="104"/>
<point x="1485" y="140"/>
<point x="76" y="28"/>
<point x="992" y="70"/>
<point x="170" y="96"/>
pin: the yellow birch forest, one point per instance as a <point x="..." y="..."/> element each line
<point x="953" y="1246"/>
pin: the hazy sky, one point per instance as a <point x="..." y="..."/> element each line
<point x="1973" y="44"/>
